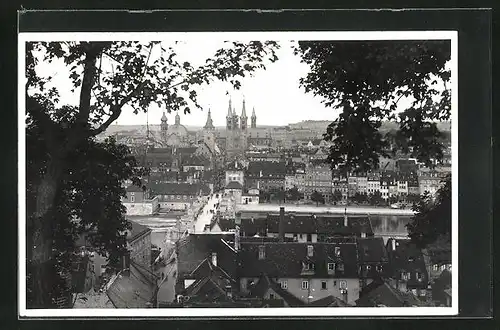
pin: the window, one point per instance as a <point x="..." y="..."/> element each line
<point x="343" y="285"/>
<point x="132" y="198"/>
<point x="443" y="267"/>
<point x="379" y="268"/>
<point x="403" y="276"/>
<point x="334" y="283"/>
<point x="323" y="285"/>
<point x="262" y="253"/>
<point x="309" y="266"/>
<point x="305" y="285"/>
<point x="368" y="267"/>
<point x="310" y="249"/>
<point x="309" y="239"/>
<point x="284" y="284"/>
<point x="337" y="251"/>
<point x="271" y="296"/>
<point x="340" y="267"/>
<point x="419" y="276"/>
<point x="331" y="266"/>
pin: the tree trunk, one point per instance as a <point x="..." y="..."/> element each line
<point x="40" y="261"/>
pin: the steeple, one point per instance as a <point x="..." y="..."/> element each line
<point x="209" y="124"/>
<point x="229" y="108"/>
<point x="254" y="119"/>
<point x="243" y="110"/>
<point x="243" y="117"/>
<point x="177" y="119"/>
<point x="164" y="127"/>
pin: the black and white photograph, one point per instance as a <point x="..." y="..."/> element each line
<point x="238" y="174"/>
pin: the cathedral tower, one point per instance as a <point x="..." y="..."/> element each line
<point x="164" y="127"/>
<point x="243" y="117"/>
<point x="229" y="117"/>
<point x="254" y="119"/>
<point x="209" y="124"/>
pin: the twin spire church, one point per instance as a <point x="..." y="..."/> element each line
<point x="238" y="135"/>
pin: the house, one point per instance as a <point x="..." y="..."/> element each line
<point x="406" y="165"/>
<point x="439" y="260"/>
<point x="251" y="196"/>
<point x="139" y="243"/>
<point x="408" y="269"/>
<point x="140" y="201"/>
<point x="196" y="251"/>
<point x="373" y="260"/>
<point x="303" y="227"/>
<point x="373" y="183"/>
<point x="235" y="173"/>
<point x="441" y="289"/>
<point x="133" y="287"/>
<point x="309" y="272"/>
<point x="178" y="195"/>
<point x="266" y="175"/>
<point x="382" y="294"/>
<point x="234" y="189"/>
<point x="362" y="181"/>
<point x="318" y="178"/>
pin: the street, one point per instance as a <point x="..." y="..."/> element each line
<point x="206" y="216"/>
<point x="166" y="292"/>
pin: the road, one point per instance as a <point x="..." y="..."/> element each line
<point x="206" y="216"/>
<point x="166" y="292"/>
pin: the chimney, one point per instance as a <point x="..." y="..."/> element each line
<point x="237" y="223"/>
<point x="214" y="259"/>
<point x="393" y="242"/>
<point x="345" y="220"/>
<point x="281" y="227"/>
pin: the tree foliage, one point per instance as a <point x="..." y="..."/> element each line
<point x="432" y="220"/>
<point x="366" y="80"/>
<point x="294" y="194"/>
<point x="317" y="197"/>
<point x="73" y="177"/>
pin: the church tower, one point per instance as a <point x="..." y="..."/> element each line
<point x="164" y="127"/>
<point x="209" y="124"/>
<point x="177" y="119"/>
<point x="243" y="117"/>
<point x="229" y="117"/>
<point x="254" y="119"/>
<point x="235" y="122"/>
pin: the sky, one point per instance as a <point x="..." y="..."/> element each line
<point x="274" y="93"/>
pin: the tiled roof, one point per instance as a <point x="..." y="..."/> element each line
<point x="321" y="224"/>
<point x="407" y="258"/>
<point x="268" y="169"/>
<point x="178" y="188"/>
<point x="372" y="249"/>
<point x="286" y="259"/>
<point x="329" y="301"/>
<point x="134" y="188"/>
<point x="196" y="248"/>
<point x="131" y="290"/>
<point x="234" y="185"/>
<point x="388" y="296"/>
<point x="265" y="283"/>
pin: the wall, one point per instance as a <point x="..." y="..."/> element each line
<point x="141" y="250"/>
<point x="294" y="286"/>
<point x="250" y="199"/>
<point x="234" y="176"/>
<point x="333" y="288"/>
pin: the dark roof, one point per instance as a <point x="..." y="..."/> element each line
<point x="186" y="150"/>
<point x="134" y="188"/>
<point x="265" y="283"/>
<point x="439" y="255"/>
<point x="167" y="150"/>
<point x="388" y="296"/>
<point x="372" y="249"/>
<point x="137" y="230"/>
<point x="407" y="258"/>
<point x="195" y="160"/>
<point x="327" y="225"/>
<point x="269" y="169"/>
<point x="178" y="188"/>
<point x="234" y="185"/>
<point x="329" y="301"/>
<point x="132" y="289"/>
<point x="286" y="259"/>
<point x="193" y="250"/>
